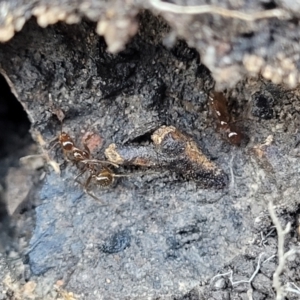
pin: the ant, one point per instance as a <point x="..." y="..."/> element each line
<point x="103" y="178"/>
<point x="76" y="155"/>
<point x="71" y="152"/>
<point x="219" y="108"/>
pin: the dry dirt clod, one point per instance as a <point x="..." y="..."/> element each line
<point x="172" y="150"/>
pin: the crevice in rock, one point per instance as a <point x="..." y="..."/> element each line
<point x="15" y="139"/>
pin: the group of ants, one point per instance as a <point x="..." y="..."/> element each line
<point x="104" y="176"/>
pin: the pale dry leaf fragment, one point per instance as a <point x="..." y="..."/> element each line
<point x="212" y="9"/>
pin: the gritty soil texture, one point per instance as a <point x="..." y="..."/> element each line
<point x="160" y="236"/>
<point x="234" y="38"/>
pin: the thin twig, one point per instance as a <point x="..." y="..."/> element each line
<point x="289" y="289"/>
<point x="253" y="275"/>
<point x="220" y="275"/>
<point x="280" y="251"/>
<point x="250" y="294"/>
<point x="271" y="257"/>
<point x="241" y="281"/>
<point x="280" y="290"/>
<point x="227" y="13"/>
<point x="264" y="239"/>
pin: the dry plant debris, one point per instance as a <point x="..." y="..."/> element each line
<point x="280" y="289"/>
<point x="217" y="10"/>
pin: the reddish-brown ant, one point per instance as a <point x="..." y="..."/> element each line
<point x="104" y="177"/>
<point x="76" y="155"/>
<point x="219" y="108"/>
<point x="71" y="152"/>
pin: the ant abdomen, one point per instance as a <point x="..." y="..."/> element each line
<point x="219" y="107"/>
<point x="66" y="142"/>
<point x="104" y="178"/>
<point x="235" y="137"/>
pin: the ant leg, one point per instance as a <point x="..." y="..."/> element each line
<point x="66" y="156"/>
<point x="97" y="161"/>
<point x="85" y="186"/>
<point x="121" y="175"/>
<point x="94" y="197"/>
<point x="54" y="139"/>
<point x="135" y="173"/>
<point x="54" y="145"/>
<point x="80" y="174"/>
<point x="87" y="149"/>
<point x="89" y="193"/>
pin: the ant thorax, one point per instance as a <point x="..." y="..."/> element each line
<point x="79" y="155"/>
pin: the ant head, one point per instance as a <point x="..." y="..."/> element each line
<point x="63" y="135"/>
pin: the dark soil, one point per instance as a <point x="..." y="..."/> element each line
<point x="160" y="236"/>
